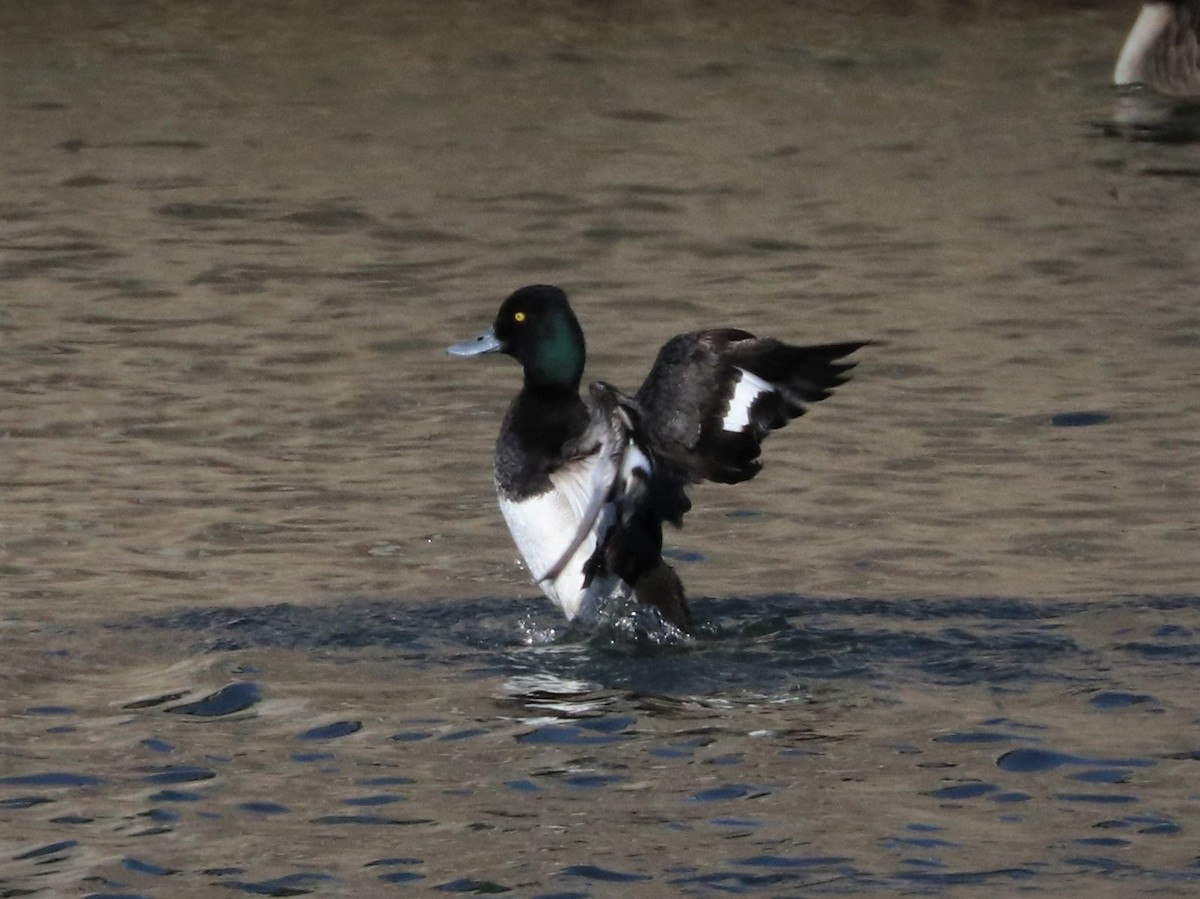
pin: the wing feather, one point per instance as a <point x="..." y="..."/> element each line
<point x="712" y="397"/>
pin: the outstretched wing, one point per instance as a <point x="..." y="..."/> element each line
<point x="713" y="396"/>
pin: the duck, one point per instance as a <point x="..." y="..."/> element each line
<point x="1162" y="49"/>
<point x="585" y="484"/>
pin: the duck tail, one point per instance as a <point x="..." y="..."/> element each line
<point x="661" y="587"/>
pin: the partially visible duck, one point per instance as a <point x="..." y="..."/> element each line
<point x="585" y="485"/>
<point x="1162" y="50"/>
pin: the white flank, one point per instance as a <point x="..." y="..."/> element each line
<point x="749" y="388"/>
<point x="1151" y="22"/>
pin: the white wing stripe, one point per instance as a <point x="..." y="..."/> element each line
<point x="749" y="388"/>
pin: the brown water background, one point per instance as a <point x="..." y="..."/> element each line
<point x="235" y="461"/>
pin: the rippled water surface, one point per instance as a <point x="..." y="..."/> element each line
<point x="262" y="628"/>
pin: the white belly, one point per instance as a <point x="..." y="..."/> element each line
<point x="545" y="526"/>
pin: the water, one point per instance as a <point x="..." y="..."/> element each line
<point x="824" y="746"/>
<point x="263" y="631"/>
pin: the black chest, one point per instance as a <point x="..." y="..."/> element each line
<point x="530" y="446"/>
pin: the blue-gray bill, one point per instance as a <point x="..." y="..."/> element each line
<point x="486" y="342"/>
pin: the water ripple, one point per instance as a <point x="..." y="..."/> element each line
<point x="764" y="644"/>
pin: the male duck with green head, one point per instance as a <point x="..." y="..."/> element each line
<point x="585" y="485"/>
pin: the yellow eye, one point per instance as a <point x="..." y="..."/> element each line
<point x="519" y="317"/>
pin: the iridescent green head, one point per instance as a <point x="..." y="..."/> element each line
<point x="537" y="328"/>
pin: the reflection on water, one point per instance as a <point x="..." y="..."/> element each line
<point x="262" y="628"/>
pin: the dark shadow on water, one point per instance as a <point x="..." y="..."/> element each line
<point x="754" y="645"/>
<point x="1143" y="116"/>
